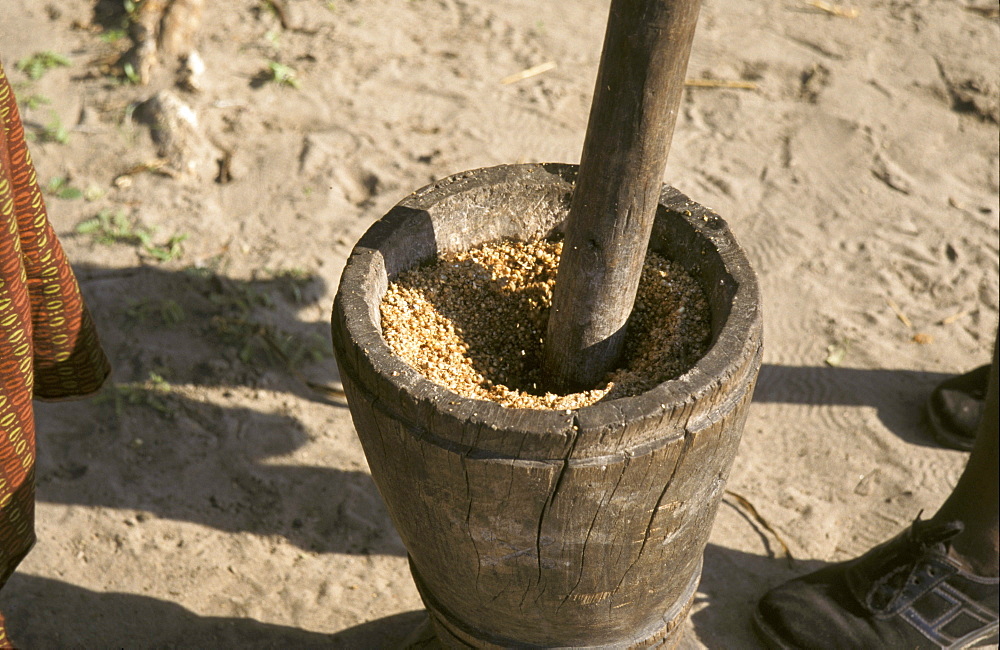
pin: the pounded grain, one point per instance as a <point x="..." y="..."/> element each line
<point x="474" y="322"/>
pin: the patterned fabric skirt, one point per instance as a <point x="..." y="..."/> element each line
<point x="48" y="345"/>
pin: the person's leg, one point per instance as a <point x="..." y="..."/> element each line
<point x="975" y="501"/>
<point x="48" y="345"/>
<point x="934" y="585"/>
<point x="955" y="408"/>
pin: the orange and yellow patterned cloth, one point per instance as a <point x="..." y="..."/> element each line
<point x="48" y="345"/>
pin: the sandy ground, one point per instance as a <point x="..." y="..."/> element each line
<point x="216" y="494"/>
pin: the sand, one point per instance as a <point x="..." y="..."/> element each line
<point x="218" y="496"/>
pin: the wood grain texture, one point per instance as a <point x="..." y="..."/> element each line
<point x="550" y="528"/>
<point x="632" y="119"/>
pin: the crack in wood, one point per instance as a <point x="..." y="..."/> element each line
<point x="583" y="553"/>
<point x="688" y="440"/>
<point x="548" y="505"/>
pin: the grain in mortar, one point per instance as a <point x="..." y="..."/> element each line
<point x="474" y="322"/>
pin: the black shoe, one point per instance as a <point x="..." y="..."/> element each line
<point x="956" y="406"/>
<point x="904" y="593"/>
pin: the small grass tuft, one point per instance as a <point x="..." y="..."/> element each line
<point x="153" y="393"/>
<point x="241" y="322"/>
<point x="291" y="282"/>
<point x="36" y="65"/>
<point x="165" y="312"/>
<point x="114" y="227"/>
<point x="257" y="342"/>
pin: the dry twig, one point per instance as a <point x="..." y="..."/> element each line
<point x="834" y="10"/>
<point x="530" y="72"/>
<point x="157" y="165"/>
<point x="750" y="510"/>
<point x="899" y="313"/>
<point x="326" y="389"/>
<point x="948" y="320"/>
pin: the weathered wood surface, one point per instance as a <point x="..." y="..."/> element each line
<point x="547" y="528"/>
<point x="632" y="119"/>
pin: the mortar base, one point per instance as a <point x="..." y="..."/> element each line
<point x="455" y="634"/>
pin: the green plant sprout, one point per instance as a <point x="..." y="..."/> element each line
<point x="54" y="131"/>
<point x="94" y="193"/>
<point x="165" y="312"/>
<point x="60" y="188"/>
<point x="152" y="393"/>
<point x="32" y="102"/>
<point x="168" y="251"/>
<point x="29" y="100"/>
<point x="283" y="75"/>
<point x="113" y="35"/>
<point x="36" y="65"/>
<point x="131" y="74"/>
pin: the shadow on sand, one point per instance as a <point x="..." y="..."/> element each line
<point x="897" y="395"/>
<point x="238" y="333"/>
<point x="143" y="445"/>
<point x="46" y="613"/>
